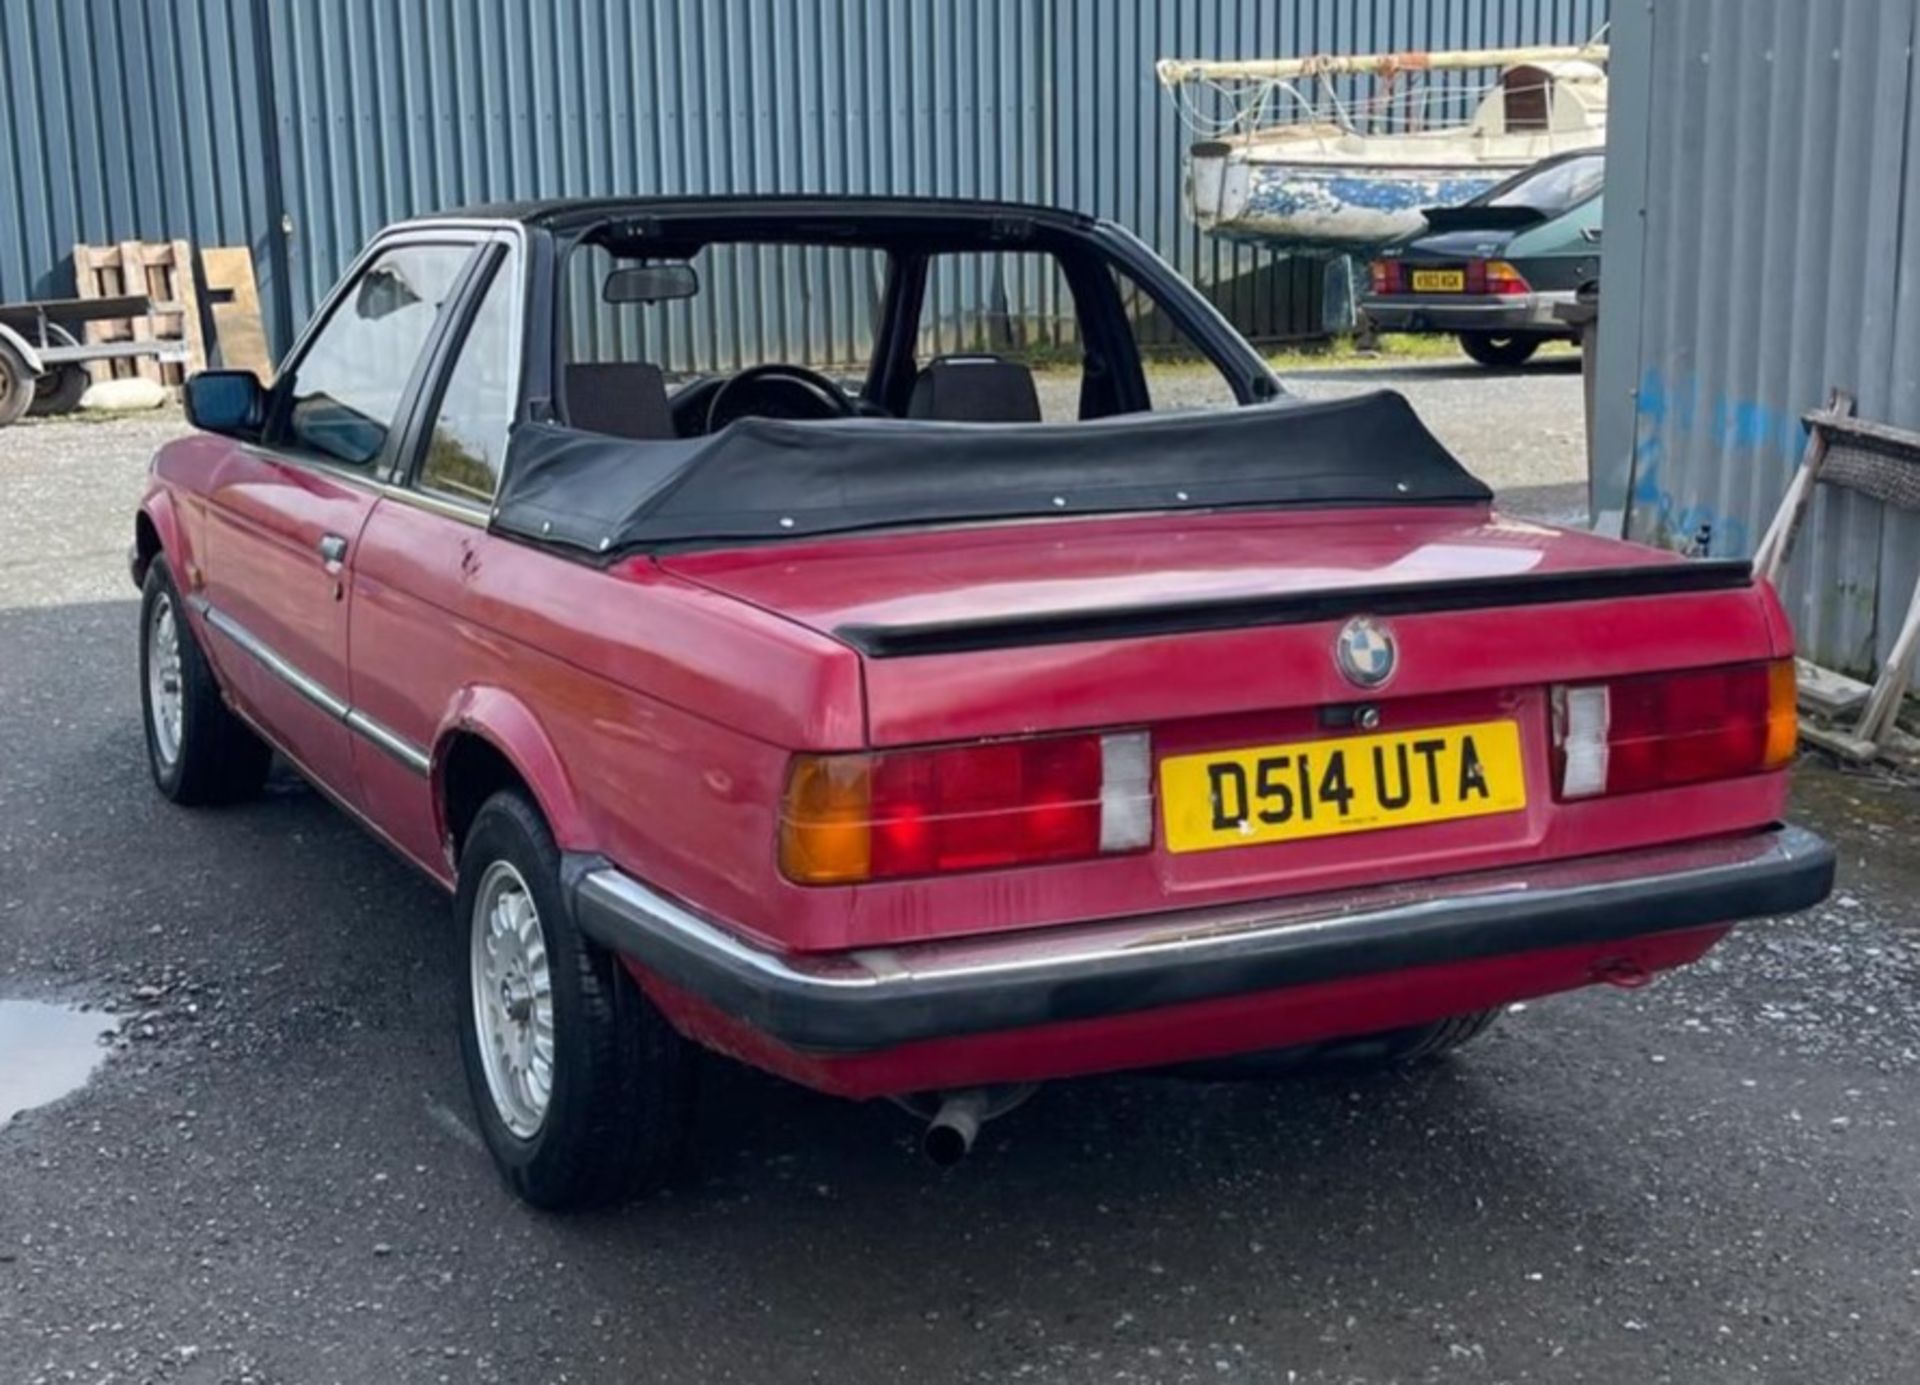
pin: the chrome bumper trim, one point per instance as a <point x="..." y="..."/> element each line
<point x="873" y="998"/>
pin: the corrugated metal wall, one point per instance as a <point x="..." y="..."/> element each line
<point x="144" y="117"/>
<point x="126" y="121"/>
<point x="1763" y="244"/>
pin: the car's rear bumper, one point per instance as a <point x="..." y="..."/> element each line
<point x="1446" y="312"/>
<point x="879" y="998"/>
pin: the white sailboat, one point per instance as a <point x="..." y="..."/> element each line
<point x="1284" y="161"/>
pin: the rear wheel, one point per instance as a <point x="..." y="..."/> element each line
<point x="59" y="390"/>
<point x="16" y="385"/>
<point x="199" y="751"/>
<point x="583" y="1090"/>
<point x="1493" y="349"/>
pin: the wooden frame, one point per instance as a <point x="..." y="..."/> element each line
<point x="1880" y="704"/>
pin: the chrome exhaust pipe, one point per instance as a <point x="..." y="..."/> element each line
<point x="957" y="1115"/>
<point x="951" y="1132"/>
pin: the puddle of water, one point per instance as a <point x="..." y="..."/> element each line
<point x="46" y="1051"/>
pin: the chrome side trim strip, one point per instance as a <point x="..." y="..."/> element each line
<point x="314" y="692"/>
<point x="396" y="745"/>
<point x="392" y="742"/>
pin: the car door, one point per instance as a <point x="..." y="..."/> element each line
<point x="417" y="639"/>
<point x="285" y="513"/>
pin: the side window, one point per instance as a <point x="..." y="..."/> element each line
<point x="469" y="436"/>
<point x="1179" y="374"/>
<point x="345" y="391"/>
<point x="1013" y="305"/>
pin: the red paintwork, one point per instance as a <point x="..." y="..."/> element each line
<point x="1201" y="1029"/>
<point x="652" y="708"/>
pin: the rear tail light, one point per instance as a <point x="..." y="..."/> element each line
<point x="1387" y="276"/>
<point x="1667" y="729"/>
<point x="1503" y="278"/>
<point x="893" y="813"/>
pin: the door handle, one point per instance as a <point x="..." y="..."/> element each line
<point x="333" y="551"/>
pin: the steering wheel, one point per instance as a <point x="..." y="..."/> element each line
<point x="777" y="391"/>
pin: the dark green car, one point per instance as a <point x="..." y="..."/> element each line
<point x="1492" y="271"/>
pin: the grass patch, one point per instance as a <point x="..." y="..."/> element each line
<point x="1390" y="348"/>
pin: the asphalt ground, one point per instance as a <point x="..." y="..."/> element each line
<point x="273" y="1177"/>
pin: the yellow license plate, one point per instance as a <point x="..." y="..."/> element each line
<point x="1279" y="793"/>
<point x="1439" y="281"/>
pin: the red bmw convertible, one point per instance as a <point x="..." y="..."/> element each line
<point x="935" y="732"/>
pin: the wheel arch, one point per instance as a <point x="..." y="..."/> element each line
<point x="491" y="740"/>
<point x="24" y="349"/>
<point x="156" y="530"/>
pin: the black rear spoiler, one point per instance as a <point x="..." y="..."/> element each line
<point x="1294" y="608"/>
<point x="1471" y="218"/>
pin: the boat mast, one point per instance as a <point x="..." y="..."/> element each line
<point x="1174" y="72"/>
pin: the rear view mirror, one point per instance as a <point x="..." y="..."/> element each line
<point x="226" y="401"/>
<point x="383" y="291"/>
<point x="651" y="283"/>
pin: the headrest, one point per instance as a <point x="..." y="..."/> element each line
<point x="975" y="389"/>
<point x="624" y="399"/>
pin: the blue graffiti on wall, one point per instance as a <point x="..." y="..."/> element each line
<point x="1671" y="415"/>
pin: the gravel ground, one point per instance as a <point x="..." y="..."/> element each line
<point x="273" y="1177"/>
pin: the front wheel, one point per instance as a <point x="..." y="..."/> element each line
<point x="583" y="1090"/>
<point x="1493" y="349"/>
<point x="198" y="749"/>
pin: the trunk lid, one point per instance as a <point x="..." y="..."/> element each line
<point x="1217" y="633"/>
<point x="1063" y="622"/>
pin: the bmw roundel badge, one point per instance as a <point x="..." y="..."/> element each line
<point x="1365" y="652"/>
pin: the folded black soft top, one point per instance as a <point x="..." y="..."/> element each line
<point x="761" y="479"/>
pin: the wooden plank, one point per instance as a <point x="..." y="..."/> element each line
<point x="180" y="258"/>
<point x="234" y="296"/>
<point x="97" y="274"/>
<point x="1883" y="706"/>
<point x="133" y="273"/>
<point x="1845" y="425"/>
<point x="1824" y="691"/>
<point x="1845" y="744"/>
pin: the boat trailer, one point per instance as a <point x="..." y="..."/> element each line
<point x="44" y="359"/>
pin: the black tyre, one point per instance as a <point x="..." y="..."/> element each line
<point x="16" y="385"/>
<point x="583" y="1090"/>
<point x="1416" y="1043"/>
<point x="200" y="752"/>
<point x="59" y="390"/>
<point x="1492" y="349"/>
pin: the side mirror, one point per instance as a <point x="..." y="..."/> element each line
<point x="651" y="283"/>
<point x="226" y="401"/>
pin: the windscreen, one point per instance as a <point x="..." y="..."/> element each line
<point x="1551" y="188"/>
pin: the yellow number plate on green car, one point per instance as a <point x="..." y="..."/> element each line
<point x="1439" y="281"/>
<point x="1278" y="793"/>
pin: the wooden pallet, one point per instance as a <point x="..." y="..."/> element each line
<point x="163" y="271"/>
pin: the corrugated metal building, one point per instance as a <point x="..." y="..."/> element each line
<point x="300" y="126"/>
<point x="1762" y="245"/>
